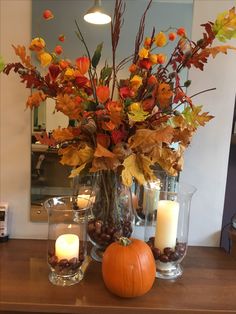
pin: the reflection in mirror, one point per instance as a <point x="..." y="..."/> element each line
<point x="49" y="177"/>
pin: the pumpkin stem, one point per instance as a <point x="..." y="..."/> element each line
<point x="124" y="241"/>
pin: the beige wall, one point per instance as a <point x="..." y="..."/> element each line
<point x="206" y="160"/>
<point x="15" y="124"/>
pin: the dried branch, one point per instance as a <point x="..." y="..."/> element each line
<point x="116" y="25"/>
<point x="81" y="38"/>
<point x="139" y="36"/>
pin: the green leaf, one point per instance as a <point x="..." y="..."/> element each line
<point x="105" y="73"/>
<point x="2" y="64"/>
<point x="225" y="25"/>
<point x="97" y="55"/>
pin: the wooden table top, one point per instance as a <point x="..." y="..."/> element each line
<point x="208" y="285"/>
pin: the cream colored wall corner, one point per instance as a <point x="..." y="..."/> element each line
<point x="206" y="161"/>
<point x="15" y="124"/>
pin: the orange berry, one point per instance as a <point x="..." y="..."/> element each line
<point x="133" y="68"/>
<point x="58" y="50"/>
<point x="181" y="31"/>
<point x="172" y="36"/>
<point x="64" y="64"/>
<point x="147" y="42"/>
<point x="161" y="58"/>
<point x="152" y="80"/>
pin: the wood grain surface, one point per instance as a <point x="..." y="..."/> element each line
<point x="208" y="285"/>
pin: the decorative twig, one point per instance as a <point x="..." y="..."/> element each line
<point x="139" y="36"/>
<point x="115" y="36"/>
<point x="91" y="76"/>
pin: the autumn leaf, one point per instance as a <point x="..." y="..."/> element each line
<point x="179" y="122"/>
<point x="144" y="139"/>
<point x="138" y="115"/>
<point x="75" y="172"/>
<point x="184" y="136"/>
<point x="62" y="134"/>
<point x="76" y="156"/>
<point x="194" y="118"/>
<point x="101" y="151"/>
<point x="35" y="100"/>
<point x="225" y="25"/>
<point x="132" y="169"/>
<point x="45" y="139"/>
<point x="172" y="160"/>
<point x="121" y="150"/>
<point x="199" y="59"/>
<point x="219" y="49"/>
<point x="69" y="106"/>
<point x="145" y="164"/>
<point x="104" y="163"/>
<point x="104" y="159"/>
<point x="20" y="51"/>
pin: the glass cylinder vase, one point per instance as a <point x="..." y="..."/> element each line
<point x="67" y="239"/>
<point x="112" y="212"/>
<point x="167" y="226"/>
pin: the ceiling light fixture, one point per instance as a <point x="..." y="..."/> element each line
<point x="97" y="15"/>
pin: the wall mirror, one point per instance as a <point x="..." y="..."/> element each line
<point x="48" y="176"/>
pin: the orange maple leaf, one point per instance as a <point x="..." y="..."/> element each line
<point x="21" y="52"/>
<point x="35" y="100"/>
<point x="69" y="106"/>
<point x="62" y="134"/>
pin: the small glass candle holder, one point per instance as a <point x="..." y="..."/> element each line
<point x="167" y="225"/>
<point x="67" y="238"/>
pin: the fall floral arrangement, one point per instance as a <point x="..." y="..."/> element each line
<point x="136" y="131"/>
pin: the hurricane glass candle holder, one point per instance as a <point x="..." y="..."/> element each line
<point x="67" y="238"/>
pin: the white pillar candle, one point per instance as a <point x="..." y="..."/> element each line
<point x="83" y="200"/>
<point x="151" y="195"/>
<point x="167" y="224"/>
<point x="67" y="246"/>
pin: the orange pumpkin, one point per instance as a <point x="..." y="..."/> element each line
<point x="128" y="268"/>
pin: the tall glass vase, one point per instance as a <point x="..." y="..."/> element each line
<point x="112" y="212"/>
<point x="167" y="226"/>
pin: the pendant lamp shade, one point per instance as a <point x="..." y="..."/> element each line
<point x="96" y="14"/>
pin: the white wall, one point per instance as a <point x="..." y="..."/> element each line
<point x="206" y="160"/>
<point x="15" y="124"/>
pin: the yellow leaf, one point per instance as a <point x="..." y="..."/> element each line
<point x="137" y="114"/>
<point x="75" y="172"/>
<point x="146" y="163"/>
<point x="76" y="156"/>
<point x="225" y="25"/>
<point x="132" y="169"/>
